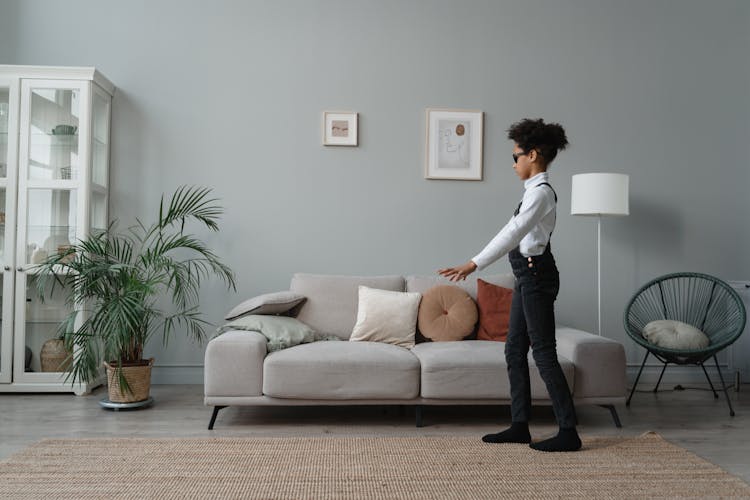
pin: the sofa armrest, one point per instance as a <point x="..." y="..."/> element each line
<point x="234" y="364"/>
<point x="600" y="366"/>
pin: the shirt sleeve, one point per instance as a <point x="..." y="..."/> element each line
<point x="533" y="207"/>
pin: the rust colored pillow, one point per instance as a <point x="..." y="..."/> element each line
<point x="494" y="311"/>
<point x="446" y="313"/>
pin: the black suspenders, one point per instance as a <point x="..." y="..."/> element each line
<point x="550" y="186"/>
<point x="518" y="208"/>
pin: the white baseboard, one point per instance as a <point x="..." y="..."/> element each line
<point x="683" y="375"/>
<point x="177" y="374"/>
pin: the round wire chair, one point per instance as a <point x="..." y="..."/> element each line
<point x="700" y="300"/>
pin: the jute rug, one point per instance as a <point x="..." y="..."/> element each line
<point x="353" y="467"/>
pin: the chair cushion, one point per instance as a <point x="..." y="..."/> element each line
<point x="331" y="305"/>
<point x="386" y="316"/>
<point x="494" y="311"/>
<point x="446" y="313"/>
<point x="341" y="370"/>
<point x="675" y="335"/>
<point x="475" y="369"/>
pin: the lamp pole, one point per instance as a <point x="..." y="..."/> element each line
<point x="599" y="194"/>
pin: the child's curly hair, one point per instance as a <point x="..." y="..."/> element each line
<point x="546" y="138"/>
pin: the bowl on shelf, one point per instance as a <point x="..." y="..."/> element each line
<point x="63" y="129"/>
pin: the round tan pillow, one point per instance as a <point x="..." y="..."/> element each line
<point x="446" y="313"/>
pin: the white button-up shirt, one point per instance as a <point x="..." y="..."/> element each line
<point x="530" y="230"/>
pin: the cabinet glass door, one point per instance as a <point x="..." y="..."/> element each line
<point x="51" y="223"/>
<point x="98" y="216"/>
<point x="54" y="153"/>
<point x="43" y="352"/>
<point x="5" y="369"/>
<point x="53" y="137"/>
<point x="4" y="160"/>
<point x="4" y="125"/>
<point x="50" y="226"/>
<point x="100" y="137"/>
<point x="8" y="156"/>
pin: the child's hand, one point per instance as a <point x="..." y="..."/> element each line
<point x="458" y="273"/>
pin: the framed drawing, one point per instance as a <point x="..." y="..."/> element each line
<point x="339" y="128"/>
<point x="454" y="144"/>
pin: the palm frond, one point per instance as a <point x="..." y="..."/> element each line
<point x="190" y="202"/>
<point x="120" y="277"/>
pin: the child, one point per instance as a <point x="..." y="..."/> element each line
<point x="526" y="240"/>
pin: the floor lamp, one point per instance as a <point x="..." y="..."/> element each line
<point x="599" y="194"/>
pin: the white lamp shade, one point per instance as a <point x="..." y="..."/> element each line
<point x="600" y="194"/>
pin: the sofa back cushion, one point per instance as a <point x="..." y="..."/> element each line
<point x="331" y="305"/>
<point x="423" y="283"/>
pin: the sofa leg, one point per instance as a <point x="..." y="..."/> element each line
<point x="418" y="413"/>
<point x="613" y="411"/>
<point x="213" y="417"/>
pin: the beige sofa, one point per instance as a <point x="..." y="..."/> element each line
<point x="239" y="371"/>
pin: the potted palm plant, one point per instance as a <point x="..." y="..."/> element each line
<point x="126" y="287"/>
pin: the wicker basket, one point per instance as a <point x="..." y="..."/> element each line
<point x="54" y="356"/>
<point x="139" y="380"/>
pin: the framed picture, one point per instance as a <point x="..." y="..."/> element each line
<point x="339" y="128"/>
<point x="454" y="144"/>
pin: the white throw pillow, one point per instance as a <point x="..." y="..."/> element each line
<point x="385" y="316"/>
<point x="675" y="335"/>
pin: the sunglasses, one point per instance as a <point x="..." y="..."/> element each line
<point x="516" y="156"/>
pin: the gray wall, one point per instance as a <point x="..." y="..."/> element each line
<point x="229" y="94"/>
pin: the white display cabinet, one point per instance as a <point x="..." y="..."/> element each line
<point x="54" y="179"/>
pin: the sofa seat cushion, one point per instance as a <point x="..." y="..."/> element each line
<point x="475" y="369"/>
<point x="341" y="370"/>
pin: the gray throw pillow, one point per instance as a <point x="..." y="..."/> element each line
<point x="269" y="303"/>
<point x="280" y="331"/>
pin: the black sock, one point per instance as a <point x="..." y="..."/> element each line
<point x="566" y="440"/>
<point x="517" y="433"/>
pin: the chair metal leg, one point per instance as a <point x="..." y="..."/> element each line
<point x="627" y="403"/>
<point x="418" y="414"/>
<point x="656" y="389"/>
<point x="724" y="386"/>
<point x="716" y="396"/>
<point x="613" y="412"/>
<point x="213" y="417"/>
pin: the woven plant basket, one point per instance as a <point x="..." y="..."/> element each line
<point x="54" y="356"/>
<point x="139" y="380"/>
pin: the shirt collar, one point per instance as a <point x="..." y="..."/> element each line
<point x="536" y="180"/>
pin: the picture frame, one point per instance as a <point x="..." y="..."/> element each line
<point x="340" y="128"/>
<point x="454" y="147"/>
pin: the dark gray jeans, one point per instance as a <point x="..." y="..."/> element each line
<point x="532" y="324"/>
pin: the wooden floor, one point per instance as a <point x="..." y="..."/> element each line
<point x="691" y="418"/>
